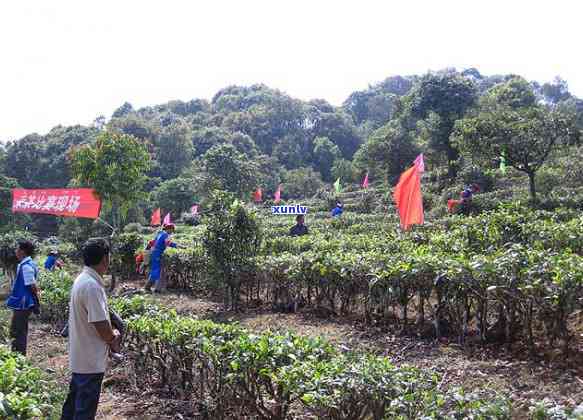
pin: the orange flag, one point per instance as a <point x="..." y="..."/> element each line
<point x="407" y="196"/>
<point x="156" y="218"/>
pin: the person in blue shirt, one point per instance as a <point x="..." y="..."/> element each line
<point x="337" y="211"/>
<point x="53" y="261"/>
<point x="24" y="297"/>
<point x="161" y="242"/>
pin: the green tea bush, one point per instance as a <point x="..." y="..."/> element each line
<point x="25" y="393"/>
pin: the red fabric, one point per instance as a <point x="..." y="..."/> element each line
<point x="167" y="220"/>
<point x="257" y="195"/>
<point x="277" y="197"/>
<point x="67" y="202"/>
<point x="156" y="218"/>
<point x="365" y="181"/>
<point x="194" y="210"/>
<point x="408" y="197"/>
<point x="451" y="204"/>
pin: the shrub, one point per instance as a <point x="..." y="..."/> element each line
<point x="190" y="219"/>
<point x="476" y="175"/>
<point x="25" y="393"/>
<point x="133" y="228"/>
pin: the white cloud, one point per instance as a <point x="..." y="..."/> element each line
<point x="65" y="62"/>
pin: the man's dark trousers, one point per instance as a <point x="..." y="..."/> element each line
<point x="83" y="398"/>
<point x="19" y="330"/>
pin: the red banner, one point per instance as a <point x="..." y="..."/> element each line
<point x="68" y="202"/>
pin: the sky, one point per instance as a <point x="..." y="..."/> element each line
<point x="68" y="61"/>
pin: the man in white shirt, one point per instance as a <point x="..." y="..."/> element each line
<point x="90" y="333"/>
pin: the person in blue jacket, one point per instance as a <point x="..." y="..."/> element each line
<point x="53" y="261"/>
<point x="24" y="297"/>
<point x="337" y="211"/>
<point x="161" y="242"/>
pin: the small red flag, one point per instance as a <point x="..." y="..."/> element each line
<point x="365" y="181"/>
<point x="420" y="163"/>
<point x="156" y="218"/>
<point x="277" y="198"/>
<point x="257" y="195"/>
<point x="407" y="196"/>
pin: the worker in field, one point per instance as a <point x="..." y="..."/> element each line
<point x="300" y="228"/>
<point x="465" y="200"/>
<point x="53" y="261"/>
<point x="161" y="242"/>
<point x="468" y="193"/>
<point x="337" y="211"/>
<point x="24" y="297"/>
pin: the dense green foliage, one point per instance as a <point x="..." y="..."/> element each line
<point x="232" y="239"/>
<point x="273" y="135"/>
<point x="515" y="272"/>
<point x="25" y="392"/>
<point x="229" y="371"/>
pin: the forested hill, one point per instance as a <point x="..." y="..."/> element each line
<point x="258" y="136"/>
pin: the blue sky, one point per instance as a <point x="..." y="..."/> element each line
<point x="66" y="62"/>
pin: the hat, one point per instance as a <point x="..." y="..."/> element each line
<point x="53" y="252"/>
<point x="168" y="225"/>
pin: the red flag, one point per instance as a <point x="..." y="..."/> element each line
<point x="67" y="202"/>
<point x="257" y="195"/>
<point x="156" y="218"/>
<point x="167" y="220"/>
<point x="451" y="205"/>
<point x="407" y="196"/>
<point x="365" y="181"/>
<point x="277" y="198"/>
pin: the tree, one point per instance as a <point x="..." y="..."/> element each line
<point x="387" y="152"/>
<point x="205" y="138"/>
<point x="301" y="183"/>
<point x="514" y="93"/>
<point x="175" y="195"/>
<point x="133" y="125"/>
<point x="343" y="169"/>
<point x="377" y="104"/>
<point x="448" y="95"/>
<point x="123" y="110"/>
<point x="232" y="239"/>
<point x="337" y="126"/>
<point x="6" y="186"/>
<point x="525" y="136"/>
<point x="115" y="166"/>
<point x="290" y="152"/>
<point x="174" y="150"/>
<point x="229" y="170"/>
<point x="25" y="161"/>
<point x="556" y="92"/>
<point x="325" y="153"/>
<point x="264" y="114"/>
